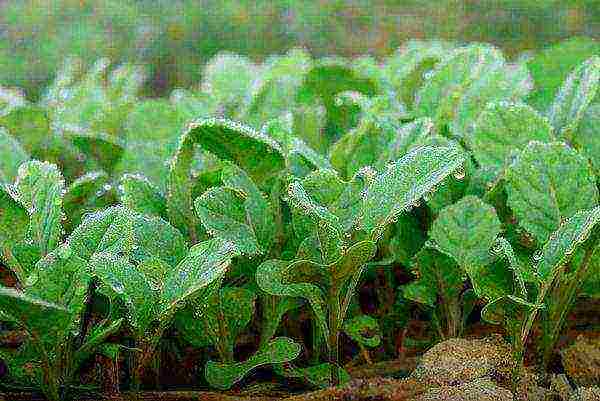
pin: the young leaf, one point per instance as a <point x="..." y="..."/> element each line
<point x="205" y="262"/>
<point x="105" y="149"/>
<point x="501" y="83"/>
<point x="503" y="128"/>
<point x="551" y="66"/>
<point x="88" y="193"/>
<point x="564" y="241"/>
<point x="546" y="183"/>
<point x="257" y="154"/>
<point x="279" y="350"/>
<point x="448" y="82"/>
<point x="466" y="231"/>
<point x="40" y="187"/>
<point x="575" y="96"/>
<point x="12" y="155"/>
<point x="139" y="194"/>
<point x="403" y="183"/>
<point x="14" y="219"/>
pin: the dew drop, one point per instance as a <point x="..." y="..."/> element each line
<point x="537" y="256"/>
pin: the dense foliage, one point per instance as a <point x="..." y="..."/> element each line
<point x="447" y="174"/>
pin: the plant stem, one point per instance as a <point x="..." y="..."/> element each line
<point x="334" y="323"/>
<point x="566" y="297"/>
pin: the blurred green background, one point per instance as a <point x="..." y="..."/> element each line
<point x="174" y="38"/>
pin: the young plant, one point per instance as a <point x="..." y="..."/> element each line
<point x="341" y="222"/>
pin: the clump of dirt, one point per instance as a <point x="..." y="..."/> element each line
<point x="586" y="394"/>
<point x="457" y="361"/>
<point x="582" y="362"/>
<point x="478" y="390"/>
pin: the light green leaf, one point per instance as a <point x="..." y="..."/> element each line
<point x="587" y="138"/>
<point x="404" y="182"/>
<point x="466" y="231"/>
<point x="575" y="96"/>
<point x="109" y="230"/>
<point x="279" y="350"/>
<point x="406" y="137"/>
<point x="546" y="183"/>
<point x="257" y="154"/>
<point x="446" y="85"/>
<point x="405" y="69"/>
<point x="14" y="219"/>
<point x="128" y="284"/>
<point x="551" y="66"/>
<point x="151" y="132"/>
<point x="205" y="263"/>
<point x="155" y="238"/>
<point x="502" y="83"/>
<point x="96" y="339"/>
<point x="12" y="155"/>
<point x="503" y="128"/>
<point x="40" y="188"/>
<point x="564" y="241"/>
<point x="88" y="193"/>
<point x="139" y="194"/>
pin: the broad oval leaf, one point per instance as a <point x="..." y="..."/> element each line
<point x="139" y="194"/>
<point x="587" y="138"/>
<point x="14" y="219"/>
<point x="318" y="375"/>
<point x="205" y="263"/>
<point x="12" y="155"/>
<point x="364" y="330"/>
<point x="466" y="231"/>
<point x="504" y="127"/>
<point x="88" y="193"/>
<point x="575" y="96"/>
<point x="279" y="350"/>
<point x="40" y="188"/>
<point x="564" y="241"/>
<point x="257" y="154"/>
<point x="546" y="183"/>
<point x="404" y="182"/>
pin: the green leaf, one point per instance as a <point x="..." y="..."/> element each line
<point x="130" y="285"/>
<point x="139" y="194"/>
<point x="40" y="187"/>
<point x="466" y="231"/>
<point x="279" y="350"/>
<point x="228" y="78"/>
<point x="88" y="193"/>
<point x="551" y="66"/>
<point x="105" y="149"/>
<point x="407" y="136"/>
<point x="281" y="79"/>
<point x="284" y="279"/>
<point x="406" y="68"/>
<point x="503" y="128"/>
<point x="564" y="242"/>
<point x="587" y="138"/>
<point x="95" y="340"/>
<point x="317" y="376"/>
<point x="404" y="182"/>
<point x="205" y="263"/>
<point x="501" y="83"/>
<point x="508" y="307"/>
<point x="546" y="183"/>
<point x="14" y="219"/>
<point x="151" y="133"/>
<point x="438" y="275"/>
<point x="12" y="155"/>
<point x="44" y="321"/>
<point x="443" y="90"/>
<point x="109" y="230"/>
<point x="575" y="96"/>
<point x="364" y="330"/>
<point x="257" y="154"/>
